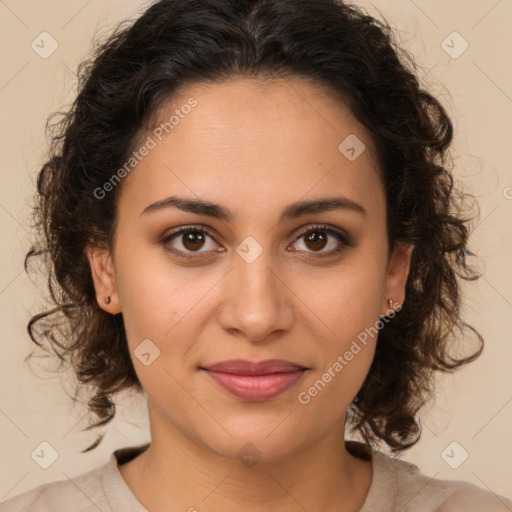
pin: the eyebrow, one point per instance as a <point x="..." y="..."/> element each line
<point x="292" y="211"/>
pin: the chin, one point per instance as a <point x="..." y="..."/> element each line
<point x="265" y="440"/>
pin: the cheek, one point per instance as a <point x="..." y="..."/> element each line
<point x="169" y="306"/>
<point x="347" y="305"/>
<point x="159" y="308"/>
<point x="349" y="312"/>
<point x="146" y="284"/>
<point x="159" y="313"/>
<point x="346" y="300"/>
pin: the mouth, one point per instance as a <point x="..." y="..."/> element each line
<point x="255" y="381"/>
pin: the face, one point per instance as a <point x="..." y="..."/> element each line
<point x="265" y="270"/>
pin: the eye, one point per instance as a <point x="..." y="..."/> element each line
<point x="187" y="240"/>
<point x="316" y="239"/>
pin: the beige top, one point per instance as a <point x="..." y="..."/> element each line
<point x="396" y="486"/>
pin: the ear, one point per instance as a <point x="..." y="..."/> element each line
<point x="103" y="276"/>
<point x="396" y="278"/>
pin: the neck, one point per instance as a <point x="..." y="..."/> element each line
<point x="179" y="473"/>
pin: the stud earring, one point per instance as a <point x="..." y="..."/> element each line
<point x="107" y="300"/>
<point x="390" y="303"/>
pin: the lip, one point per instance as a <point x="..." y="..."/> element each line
<point x="244" y="367"/>
<point x="255" y="381"/>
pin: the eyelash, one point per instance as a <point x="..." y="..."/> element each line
<point x="341" y="237"/>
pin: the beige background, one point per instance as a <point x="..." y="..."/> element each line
<point x="474" y="406"/>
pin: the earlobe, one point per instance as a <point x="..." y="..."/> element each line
<point x="398" y="272"/>
<point x="103" y="276"/>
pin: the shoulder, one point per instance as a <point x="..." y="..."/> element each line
<point x="99" y="490"/>
<point x="415" y="491"/>
<point x="83" y="493"/>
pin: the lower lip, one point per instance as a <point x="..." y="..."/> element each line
<point x="256" y="388"/>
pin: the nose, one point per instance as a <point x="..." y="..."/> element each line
<point x="256" y="303"/>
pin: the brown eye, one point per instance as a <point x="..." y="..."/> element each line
<point x="317" y="238"/>
<point x="193" y="240"/>
<point x="188" y="240"/>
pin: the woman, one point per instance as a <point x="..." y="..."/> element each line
<point x="249" y="216"/>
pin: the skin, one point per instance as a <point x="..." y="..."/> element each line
<point x="253" y="147"/>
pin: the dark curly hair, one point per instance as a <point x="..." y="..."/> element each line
<point x="136" y="70"/>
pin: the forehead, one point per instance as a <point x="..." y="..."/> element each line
<point x="309" y="112"/>
<point x="244" y="138"/>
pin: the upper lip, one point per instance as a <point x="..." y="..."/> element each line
<point x="243" y="367"/>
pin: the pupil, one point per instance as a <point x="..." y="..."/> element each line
<point x="315" y="237"/>
<point x="193" y="237"/>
